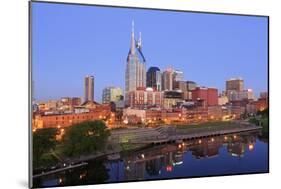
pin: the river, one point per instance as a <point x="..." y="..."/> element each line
<point x="223" y="155"/>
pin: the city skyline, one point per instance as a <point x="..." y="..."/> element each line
<point x="86" y="52"/>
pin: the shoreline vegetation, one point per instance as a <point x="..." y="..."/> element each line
<point x="262" y="119"/>
<point x="89" y="140"/>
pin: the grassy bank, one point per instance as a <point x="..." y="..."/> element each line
<point x="209" y="127"/>
<point x="214" y="124"/>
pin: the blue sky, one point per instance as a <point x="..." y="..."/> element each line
<point x="72" y="41"/>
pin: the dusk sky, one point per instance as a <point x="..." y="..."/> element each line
<point x="72" y="41"/>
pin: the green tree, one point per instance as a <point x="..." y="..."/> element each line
<point x="84" y="138"/>
<point x="262" y="120"/>
<point x="43" y="141"/>
<point x="254" y="120"/>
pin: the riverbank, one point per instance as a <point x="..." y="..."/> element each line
<point x="178" y="133"/>
<point x="131" y="139"/>
<point x="214" y="126"/>
<point x="74" y="162"/>
<point x="229" y="150"/>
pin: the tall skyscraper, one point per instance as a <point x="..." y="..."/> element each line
<point x="89" y="88"/>
<point x="111" y="94"/>
<point x="167" y="79"/>
<point x="153" y="78"/>
<point x="135" y="69"/>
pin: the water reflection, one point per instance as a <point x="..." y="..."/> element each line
<point x="206" y="156"/>
<point x="95" y="172"/>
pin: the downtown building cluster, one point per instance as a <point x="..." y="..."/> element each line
<point x="151" y="96"/>
<point x="166" y="97"/>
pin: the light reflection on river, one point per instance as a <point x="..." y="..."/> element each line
<point x="230" y="154"/>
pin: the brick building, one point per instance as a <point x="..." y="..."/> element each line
<point x="65" y="120"/>
<point x="209" y="95"/>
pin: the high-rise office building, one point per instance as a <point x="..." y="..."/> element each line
<point x="178" y="80"/>
<point x="153" y="78"/>
<point x="135" y="75"/>
<point x="235" y="90"/>
<point x="89" y="88"/>
<point x="111" y="94"/>
<point x="167" y="79"/>
<point x="235" y="84"/>
<point x="178" y="75"/>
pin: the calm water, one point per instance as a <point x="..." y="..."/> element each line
<point x="230" y="154"/>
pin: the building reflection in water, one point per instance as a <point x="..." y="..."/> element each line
<point x="153" y="161"/>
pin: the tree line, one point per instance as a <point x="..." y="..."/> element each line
<point x="83" y="138"/>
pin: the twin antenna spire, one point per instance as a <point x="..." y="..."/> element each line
<point x="134" y="42"/>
